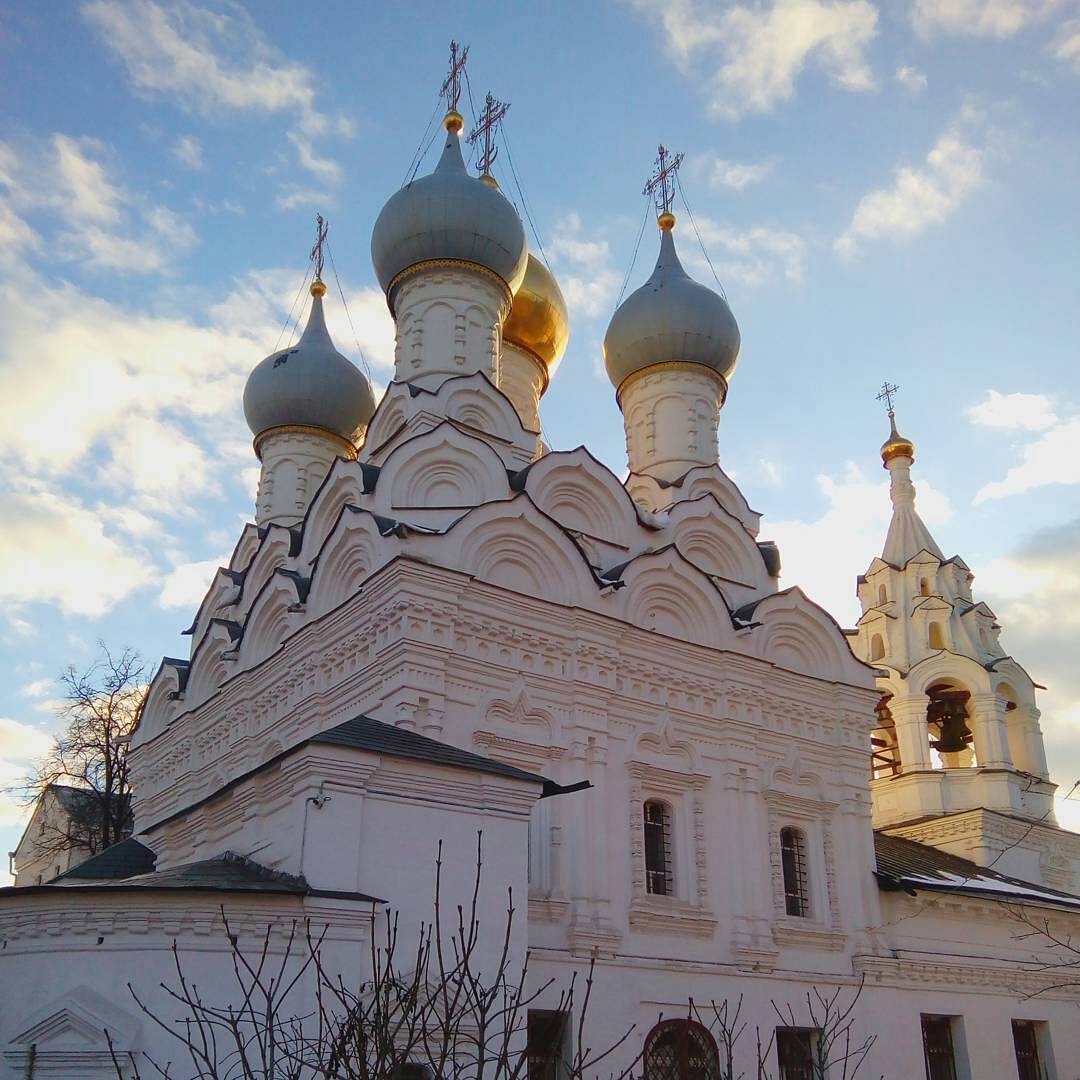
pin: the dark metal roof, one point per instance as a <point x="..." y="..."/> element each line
<point x="910" y="866"/>
<point x="122" y="860"/>
<point x="364" y="733"/>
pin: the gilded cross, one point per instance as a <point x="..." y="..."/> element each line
<point x="888" y="389"/>
<point x="451" y="88"/>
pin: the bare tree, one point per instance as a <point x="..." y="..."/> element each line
<point x="453" y="1005"/>
<point x="87" y="767"/>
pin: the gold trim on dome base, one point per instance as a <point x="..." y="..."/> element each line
<point x="897" y="449"/>
<point x="348" y="447"/>
<point x="445" y="264"/>
<point x="672" y="365"/>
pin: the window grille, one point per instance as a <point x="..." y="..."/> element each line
<point x="1026" y="1044"/>
<point x="938" y="1048"/>
<point x="545" y="1043"/>
<point x="795" y="1053"/>
<point x="658" y="876"/>
<point x="796" y="880"/>
<point x="680" y="1050"/>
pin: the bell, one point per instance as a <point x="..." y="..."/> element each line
<point x="952" y="716"/>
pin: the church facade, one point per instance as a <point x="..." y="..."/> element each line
<point x="437" y="628"/>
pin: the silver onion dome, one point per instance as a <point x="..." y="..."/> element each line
<point x="309" y="383"/>
<point x="449" y="215"/>
<point x="671" y="317"/>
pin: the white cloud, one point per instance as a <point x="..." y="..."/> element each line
<point x="911" y="78"/>
<point x="976" y="18"/>
<point x="1066" y="45"/>
<point x="96" y="220"/>
<point x="587" y="275"/>
<point x="823" y="556"/>
<point x="734" y="175"/>
<point x="919" y="197"/>
<point x="1054" y="458"/>
<point x="753" y="256"/>
<point x="39" y="688"/>
<point x="214" y="61"/>
<point x="54" y="550"/>
<point x="186" y="584"/>
<point x="1014" y="412"/>
<point x="752" y="56"/>
<point x="21" y="747"/>
<point x="188" y="151"/>
<point x="329" y="172"/>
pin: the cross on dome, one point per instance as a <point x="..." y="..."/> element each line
<point x="661" y="184"/>
<point x="451" y="87"/>
<point x="494" y="111"/>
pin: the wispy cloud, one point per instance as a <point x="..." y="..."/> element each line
<point x="211" y="61"/>
<point x="919" y="196"/>
<point x="911" y="79"/>
<point x="188" y="151"/>
<point x="978" y="18"/>
<point x="1014" y="412"/>
<point x="754" y="255"/>
<point x="1053" y="458"/>
<point x="587" y="274"/>
<point x="731" y="175"/>
<point x="751" y="56"/>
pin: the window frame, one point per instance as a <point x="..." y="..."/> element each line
<point x="666" y="874"/>
<point x="1044" y="1056"/>
<point x="685" y="1028"/>
<point x="803" y="1071"/>
<point x="933" y="1073"/>
<point x="795" y="856"/>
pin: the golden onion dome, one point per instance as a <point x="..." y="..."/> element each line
<point x="896" y="445"/>
<point x="538" y="321"/>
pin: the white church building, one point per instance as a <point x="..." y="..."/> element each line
<point x="684" y="769"/>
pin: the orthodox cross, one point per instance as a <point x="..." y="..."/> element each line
<point x="888" y="389"/>
<point x="494" y="111"/>
<point x="451" y="88"/>
<point x="321" y="229"/>
<point x="661" y="185"/>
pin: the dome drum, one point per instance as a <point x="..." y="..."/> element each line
<point x="673" y="365"/>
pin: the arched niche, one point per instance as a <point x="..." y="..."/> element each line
<point x="163" y="700"/>
<point x="219" y="601"/>
<point x="792" y="632"/>
<point x="951" y="668"/>
<point x="711" y="479"/>
<point x="582" y="494"/>
<point x="351" y="553"/>
<point x="390" y="417"/>
<point x="343" y="486"/>
<point x="246" y="547"/>
<point x="273" y="554"/>
<point x="270" y="620"/>
<point x="444" y="467"/>
<point x="717" y="542"/>
<point x="208" y="669"/>
<point x="515" y="545"/>
<point x="665" y="594"/>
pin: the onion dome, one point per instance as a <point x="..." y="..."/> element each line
<point x="449" y="215"/>
<point x="896" y="445"/>
<point x="538" y="321"/>
<point x="309" y="384"/>
<point x="671" y="318"/>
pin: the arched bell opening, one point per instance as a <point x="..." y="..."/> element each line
<point x="952" y="741"/>
<point x="884" y="747"/>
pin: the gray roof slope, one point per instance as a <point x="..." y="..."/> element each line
<point x="364" y="733"/>
<point x="122" y="860"/>
<point x="907" y="864"/>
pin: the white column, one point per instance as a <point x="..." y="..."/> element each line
<point x="448" y="321"/>
<point x="1026" y="740"/>
<point x="671" y="413"/>
<point x="988" y="727"/>
<point x="294" y="462"/>
<point x="522" y="379"/>
<point x="911" y="733"/>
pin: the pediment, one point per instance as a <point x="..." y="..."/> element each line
<point x="77" y="1020"/>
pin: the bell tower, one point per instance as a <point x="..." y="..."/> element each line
<point x="957" y="736"/>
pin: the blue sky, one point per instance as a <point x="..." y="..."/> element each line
<point x="885" y="190"/>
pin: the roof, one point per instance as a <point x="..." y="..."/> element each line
<point x="227" y="872"/>
<point x="910" y="866"/>
<point x="78" y="800"/>
<point x="122" y="860"/>
<point x="364" y="733"/>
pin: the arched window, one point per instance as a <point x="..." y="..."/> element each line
<point x="793" y="862"/>
<point x="937" y="638"/>
<point x="658" y="875"/>
<point x="882" y="595"/>
<point x="924" y="586"/>
<point x="877" y="647"/>
<point x="680" y="1050"/>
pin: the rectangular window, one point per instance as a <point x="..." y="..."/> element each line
<point x="793" y="863"/>
<point x="795" y="1053"/>
<point x="658" y="878"/>
<point x="545" y="1043"/>
<point x="1026" y="1043"/>
<point x="937" y="1033"/>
